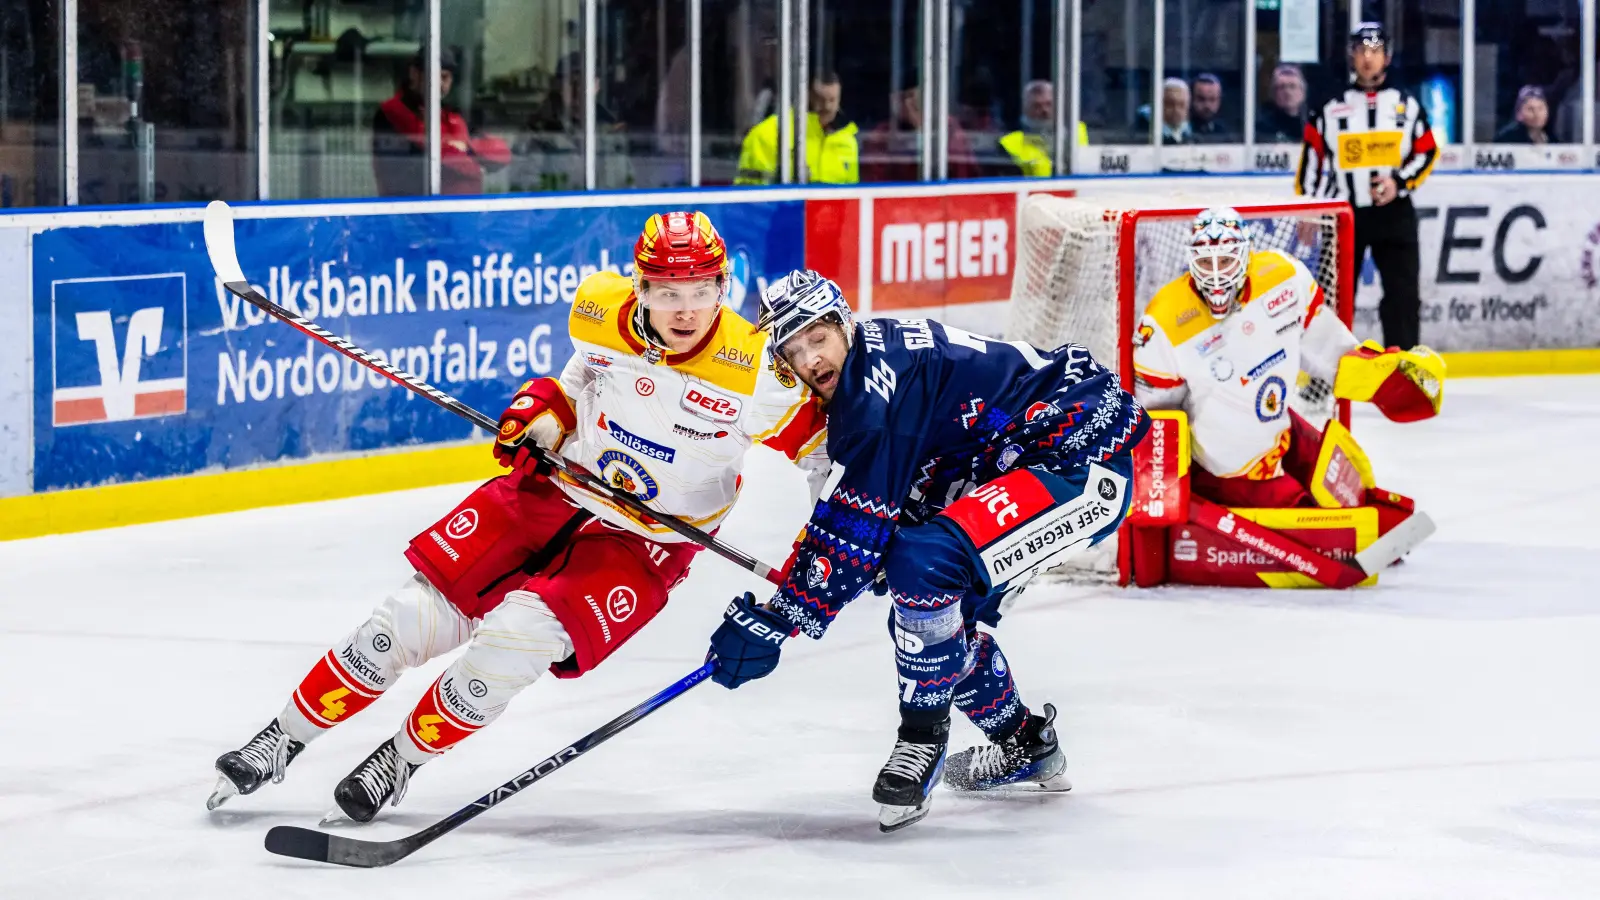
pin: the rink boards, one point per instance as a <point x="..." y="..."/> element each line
<point x="123" y="362"/>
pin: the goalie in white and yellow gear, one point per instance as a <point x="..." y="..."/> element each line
<point x="1226" y="344"/>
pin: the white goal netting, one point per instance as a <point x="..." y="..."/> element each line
<point x="1087" y="266"/>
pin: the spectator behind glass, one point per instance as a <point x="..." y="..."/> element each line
<point x="832" y="151"/>
<point x="1283" y="119"/>
<point x="1029" y="146"/>
<point x="893" y="150"/>
<point x="1532" y="115"/>
<point x="1205" y="122"/>
<point x="1174" y="114"/>
<point x="400" y="142"/>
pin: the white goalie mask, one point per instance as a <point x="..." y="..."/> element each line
<point x="1219" y="257"/>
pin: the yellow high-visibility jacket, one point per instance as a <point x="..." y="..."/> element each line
<point x="831" y="158"/>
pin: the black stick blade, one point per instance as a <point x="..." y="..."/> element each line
<point x="301" y="843"/>
<point x="319" y="846"/>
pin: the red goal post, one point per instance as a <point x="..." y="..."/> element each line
<point x="1086" y="266"/>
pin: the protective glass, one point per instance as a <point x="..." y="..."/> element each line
<point x="678" y="296"/>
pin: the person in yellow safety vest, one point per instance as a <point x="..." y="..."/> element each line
<point x="1029" y="146"/>
<point x="832" y="154"/>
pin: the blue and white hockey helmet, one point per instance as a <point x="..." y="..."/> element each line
<point x="794" y="302"/>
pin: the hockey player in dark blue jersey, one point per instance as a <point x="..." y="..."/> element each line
<point x="962" y="466"/>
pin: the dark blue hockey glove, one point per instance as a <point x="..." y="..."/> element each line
<point x="747" y="642"/>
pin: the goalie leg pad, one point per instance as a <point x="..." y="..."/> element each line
<point x="1343" y="474"/>
<point x="410" y="627"/>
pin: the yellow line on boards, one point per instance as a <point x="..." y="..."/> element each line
<point x="1489" y="363"/>
<point x="84" y="509"/>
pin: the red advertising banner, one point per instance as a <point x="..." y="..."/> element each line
<point x="833" y="242"/>
<point x="923" y="252"/>
<point x="940" y="251"/>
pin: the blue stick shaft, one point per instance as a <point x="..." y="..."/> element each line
<point x="288" y="840"/>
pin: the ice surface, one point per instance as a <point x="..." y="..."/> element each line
<point x="1434" y="737"/>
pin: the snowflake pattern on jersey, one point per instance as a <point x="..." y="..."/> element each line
<point x="923" y="416"/>
<point x="988" y="695"/>
<point x="850" y="530"/>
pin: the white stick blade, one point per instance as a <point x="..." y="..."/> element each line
<point x="1400" y="540"/>
<point x="219" y="242"/>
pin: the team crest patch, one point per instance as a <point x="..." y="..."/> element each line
<point x="1143" y="335"/>
<point x="821" y="569"/>
<point x="1270" y="398"/>
<point x="1008" y="457"/>
<point x="784" y="376"/>
<point x="1041" y="409"/>
<point x="622" y="471"/>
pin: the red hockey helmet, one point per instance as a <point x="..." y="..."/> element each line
<point x="679" y="246"/>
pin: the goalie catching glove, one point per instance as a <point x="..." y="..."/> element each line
<point x="1405" y="385"/>
<point x="540" y="415"/>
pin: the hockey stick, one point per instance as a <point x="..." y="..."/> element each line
<point x="225" y="260"/>
<point x="320" y="846"/>
<point x="1378" y="555"/>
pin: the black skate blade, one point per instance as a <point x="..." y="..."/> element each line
<point x="319" y="846"/>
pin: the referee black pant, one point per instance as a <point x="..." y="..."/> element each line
<point x="1390" y="232"/>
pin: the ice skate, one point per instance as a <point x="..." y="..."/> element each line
<point x="246" y="769"/>
<point x="1031" y="759"/>
<point x="905" y="785"/>
<point x="381" y="778"/>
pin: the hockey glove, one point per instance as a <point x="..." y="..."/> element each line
<point x="746" y="644"/>
<point x="539" y="416"/>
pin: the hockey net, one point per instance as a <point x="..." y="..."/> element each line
<point x="1087" y="267"/>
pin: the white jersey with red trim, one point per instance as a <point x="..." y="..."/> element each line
<point x="1233" y="374"/>
<point x="673" y="428"/>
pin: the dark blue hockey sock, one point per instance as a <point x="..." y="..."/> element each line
<point x="987" y="695"/>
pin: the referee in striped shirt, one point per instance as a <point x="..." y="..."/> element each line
<point x="1373" y="147"/>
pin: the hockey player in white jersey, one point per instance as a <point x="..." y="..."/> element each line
<point x="1226" y="343"/>
<point x="663" y="395"/>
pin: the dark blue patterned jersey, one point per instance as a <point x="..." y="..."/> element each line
<point x="923" y="414"/>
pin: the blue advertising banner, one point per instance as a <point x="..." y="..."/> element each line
<point x="145" y="367"/>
